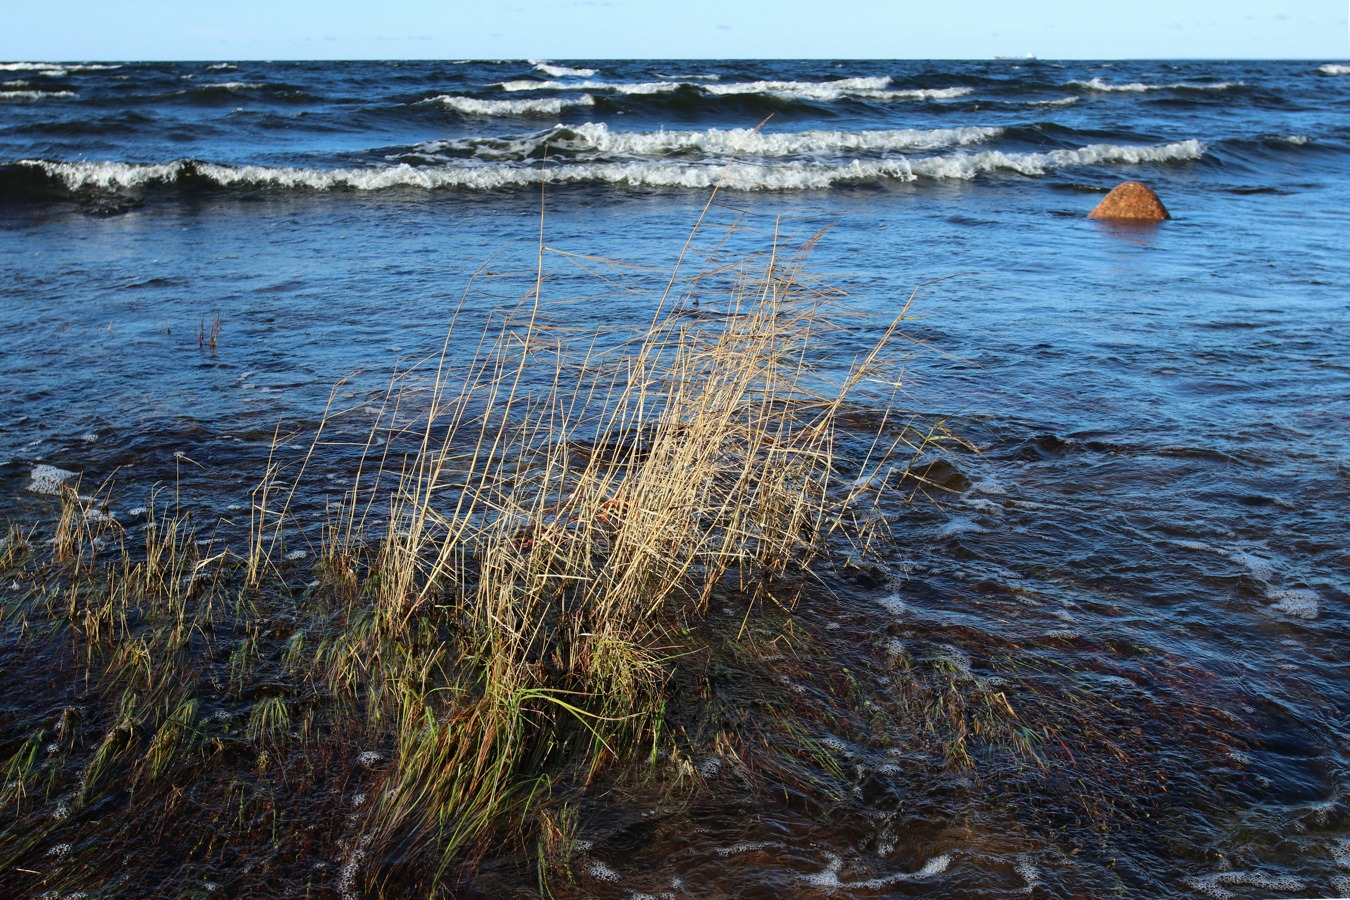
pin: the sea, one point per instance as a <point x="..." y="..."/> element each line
<point x="1139" y="528"/>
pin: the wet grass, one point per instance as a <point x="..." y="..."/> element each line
<point x="508" y="602"/>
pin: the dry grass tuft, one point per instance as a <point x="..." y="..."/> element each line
<point x="504" y="595"/>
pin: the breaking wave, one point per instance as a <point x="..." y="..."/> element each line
<point x="597" y="138"/>
<point x="1137" y="87"/>
<point x="477" y="175"/>
<point x="55" y="70"/>
<point x="870" y="88"/>
<point x="471" y="106"/>
<point x="1334" y="69"/>
<point x="230" y="86"/>
<point x="554" y="71"/>
<point x="34" y="95"/>
<point x="617" y="87"/>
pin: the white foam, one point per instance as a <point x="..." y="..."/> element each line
<point x="746" y="847"/>
<point x="1030" y="874"/>
<point x="617" y="87"/>
<point x="602" y="872"/>
<point x="222" y="67"/>
<point x="347" y="886"/>
<point x="598" y="139"/>
<point x="1210" y="885"/>
<point x="1063" y="101"/>
<point x="477" y="175"/>
<point x="893" y="605"/>
<point x="769" y="145"/>
<point x="951" y="93"/>
<point x="701" y="76"/>
<point x="471" y="106"/>
<point x="34" y="95"/>
<point x="48" y="479"/>
<point x="554" y="71"/>
<point x="959" y="659"/>
<point x="829" y="878"/>
<point x="836" y="744"/>
<point x="1300" y="604"/>
<point x="52" y="70"/>
<point x="837" y="88"/>
<point x="234" y="85"/>
<point x="1136" y="87"/>
<point x="1334" y="69"/>
<point x="98" y="517"/>
<point x="297" y="554"/>
<point x="1261" y="569"/>
<point x="960" y="526"/>
<point x="861" y="88"/>
<point x="871" y="88"/>
<point x="1298" y="140"/>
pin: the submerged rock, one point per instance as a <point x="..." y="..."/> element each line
<point x="1131" y="201"/>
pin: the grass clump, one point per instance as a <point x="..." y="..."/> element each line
<point x="499" y="608"/>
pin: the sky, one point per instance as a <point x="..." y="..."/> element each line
<point x="713" y="29"/>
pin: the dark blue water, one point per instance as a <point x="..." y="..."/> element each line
<point x="1145" y="539"/>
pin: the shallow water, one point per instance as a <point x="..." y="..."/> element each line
<point x="1145" y="539"/>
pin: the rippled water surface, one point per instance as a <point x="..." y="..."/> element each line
<point x="1140" y="541"/>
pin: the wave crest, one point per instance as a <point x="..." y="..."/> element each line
<point x="867" y="88"/>
<point x="34" y="95"/>
<point x="479" y="175"/>
<point x="1137" y="87"/>
<point x="471" y="106"/>
<point x="556" y="71"/>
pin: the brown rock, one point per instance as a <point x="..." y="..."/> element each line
<point x="1131" y="201"/>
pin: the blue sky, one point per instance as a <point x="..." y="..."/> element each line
<point x="580" y="29"/>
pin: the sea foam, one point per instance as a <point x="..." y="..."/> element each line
<point x="1301" y="604"/>
<point x="47" y="479"/>
<point x="1334" y="69"/>
<point x="871" y="88"/>
<point x="617" y="87"/>
<point x="1136" y="87"/>
<point x="554" y="71"/>
<point x="752" y="142"/>
<point x="477" y="175"/>
<point x="54" y="70"/>
<point x="34" y="95"/>
<point x="829" y="880"/>
<point x="471" y="106"/>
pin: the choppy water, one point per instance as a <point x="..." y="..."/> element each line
<point x="1151" y="527"/>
